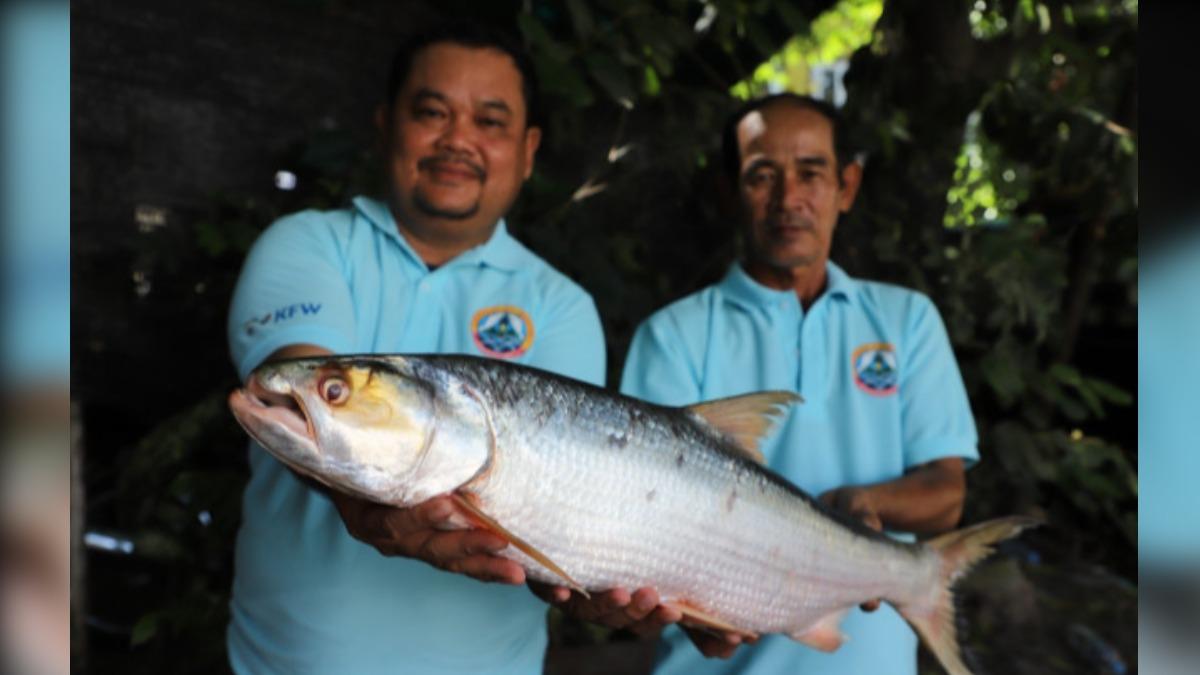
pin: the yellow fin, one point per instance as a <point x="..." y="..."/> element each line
<point x="746" y="419"/>
<point x="489" y="523"/>
<point x="701" y="619"/>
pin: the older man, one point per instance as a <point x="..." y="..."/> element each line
<point x="885" y="426"/>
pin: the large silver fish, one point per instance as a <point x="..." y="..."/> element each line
<point x="597" y="490"/>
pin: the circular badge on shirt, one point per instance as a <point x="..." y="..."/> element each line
<point x="502" y="331"/>
<point x="874" y="366"/>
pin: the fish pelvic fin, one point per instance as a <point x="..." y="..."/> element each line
<point x="747" y="419"/>
<point x="488" y="523"/>
<point x="698" y="618"/>
<point x="824" y="635"/>
<point x="932" y="617"/>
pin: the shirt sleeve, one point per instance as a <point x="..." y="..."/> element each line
<point x="570" y="340"/>
<point x="935" y="414"/>
<point x="656" y="370"/>
<point x="291" y="291"/>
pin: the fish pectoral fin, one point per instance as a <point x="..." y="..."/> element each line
<point x="698" y="618"/>
<point x="746" y="419"/>
<point x="486" y="522"/>
<point x="825" y="635"/>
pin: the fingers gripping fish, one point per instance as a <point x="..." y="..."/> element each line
<point x="596" y="490"/>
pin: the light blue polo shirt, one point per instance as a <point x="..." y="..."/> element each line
<point x="308" y="598"/>
<point x="882" y="393"/>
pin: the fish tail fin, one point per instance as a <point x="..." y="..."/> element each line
<point x="933" y="617"/>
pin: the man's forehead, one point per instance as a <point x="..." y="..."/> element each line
<point x="784" y="128"/>
<point x="454" y="70"/>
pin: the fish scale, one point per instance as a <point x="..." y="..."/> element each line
<point x="596" y="490"/>
<point x="594" y="521"/>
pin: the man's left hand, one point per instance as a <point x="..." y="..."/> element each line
<point x="639" y="612"/>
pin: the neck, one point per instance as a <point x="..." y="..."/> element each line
<point x="806" y="281"/>
<point x="438" y="242"/>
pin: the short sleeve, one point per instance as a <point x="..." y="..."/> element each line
<point x="935" y="413"/>
<point x="655" y="370"/>
<point x="291" y="291"/>
<point x="570" y="340"/>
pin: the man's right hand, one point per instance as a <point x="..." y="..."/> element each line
<point x="419" y="532"/>
<point x="639" y="613"/>
<point x="715" y="645"/>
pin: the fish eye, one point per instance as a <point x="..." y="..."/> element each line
<point x="334" y="390"/>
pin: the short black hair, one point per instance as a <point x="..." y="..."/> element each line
<point x="468" y="34"/>
<point x="731" y="157"/>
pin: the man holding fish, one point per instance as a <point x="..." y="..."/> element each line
<point x="432" y="269"/>
<point x="885" y="426"/>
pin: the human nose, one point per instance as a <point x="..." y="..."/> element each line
<point x="455" y="136"/>
<point x="790" y="192"/>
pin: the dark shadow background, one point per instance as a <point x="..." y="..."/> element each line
<point x="183" y="115"/>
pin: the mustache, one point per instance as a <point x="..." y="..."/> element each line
<point x="428" y="163"/>
<point x="792" y="222"/>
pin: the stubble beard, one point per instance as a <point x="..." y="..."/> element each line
<point x="422" y="203"/>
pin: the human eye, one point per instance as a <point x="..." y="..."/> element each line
<point x="428" y="112"/>
<point x="492" y="123"/>
<point x="760" y="178"/>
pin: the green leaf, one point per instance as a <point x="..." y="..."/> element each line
<point x="611" y="77"/>
<point x="539" y="39"/>
<point x="158" y="545"/>
<point x="145" y="629"/>
<point x="792" y="18"/>
<point x="1003" y="377"/>
<point x="676" y="32"/>
<point x="651" y="85"/>
<point x="1066" y="374"/>
<point x="1021" y="453"/>
<point x="1073" y="409"/>
<point x="1093" y="402"/>
<point x="559" y="79"/>
<point x="581" y="18"/>
<point x="210" y="238"/>
<point x="759" y="38"/>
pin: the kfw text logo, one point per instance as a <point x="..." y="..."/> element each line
<point x="281" y="314"/>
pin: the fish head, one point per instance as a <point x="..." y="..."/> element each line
<point x="361" y="425"/>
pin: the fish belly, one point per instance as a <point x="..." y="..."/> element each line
<point x="699" y="527"/>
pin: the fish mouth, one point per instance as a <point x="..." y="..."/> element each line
<point x="255" y="406"/>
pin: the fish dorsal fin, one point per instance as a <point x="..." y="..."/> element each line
<point x="487" y="522"/>
<point x="746" y="419"/>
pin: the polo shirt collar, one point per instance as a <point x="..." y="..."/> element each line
<point x="501" y="250"/>
<point x="740" y="287"/>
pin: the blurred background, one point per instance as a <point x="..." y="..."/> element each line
<point x="1000" y="139"/>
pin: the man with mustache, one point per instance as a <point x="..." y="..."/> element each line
<point x="885" y="426"/>
<point x="429" y="269"/>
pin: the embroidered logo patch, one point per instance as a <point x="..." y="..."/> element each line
<point x="875" y="369"/>
<point x="503" y="331"/>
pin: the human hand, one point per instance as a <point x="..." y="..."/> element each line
<point x="420" y="532"/>
<point x="640" y="612"/>
<point x="858" y="503"/>
<point x="716" y="644"/>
